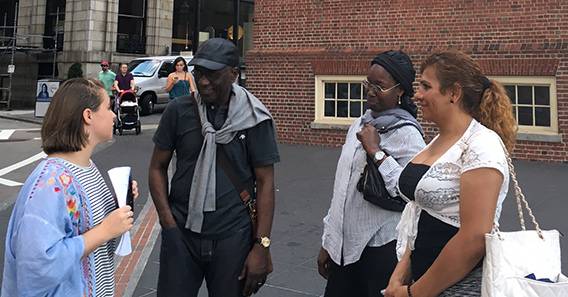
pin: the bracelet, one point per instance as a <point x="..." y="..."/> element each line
<point x="408" y="291"/>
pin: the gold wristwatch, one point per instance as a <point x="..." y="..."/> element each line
<point x="263" y="241"/>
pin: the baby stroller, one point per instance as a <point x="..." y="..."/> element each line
<point x="127" y="113"/>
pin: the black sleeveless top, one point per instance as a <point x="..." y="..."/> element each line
<point x="433" y="234"/>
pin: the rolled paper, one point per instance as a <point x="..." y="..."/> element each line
<point x="120" y="177"/>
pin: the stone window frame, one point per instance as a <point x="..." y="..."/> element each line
<point x="322" y="121"/>
<point x="525" y="131"/>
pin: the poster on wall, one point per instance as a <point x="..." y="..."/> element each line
<point x="45" y="90"/>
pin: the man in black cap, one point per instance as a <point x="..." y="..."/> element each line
<point x="225" y="143"/>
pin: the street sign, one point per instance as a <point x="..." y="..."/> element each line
<point x="11" y="68"/>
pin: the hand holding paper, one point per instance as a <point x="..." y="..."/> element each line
<point x="121" y="182"/>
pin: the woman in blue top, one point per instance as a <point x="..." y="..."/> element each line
<point x="60" y="237"/>
<point x="180" y="82"/>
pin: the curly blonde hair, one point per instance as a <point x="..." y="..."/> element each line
<point x="488" y="104"/>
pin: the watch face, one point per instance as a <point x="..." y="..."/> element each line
<point x="265" y="241"/>
<point x="379" y="155"/>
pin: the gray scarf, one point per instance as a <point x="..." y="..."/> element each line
<point x="245" y="111"/>
<point x="389" y="117"/>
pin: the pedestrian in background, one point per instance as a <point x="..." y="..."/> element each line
<point x="225" y="143"/>
<point x="106" y="77"/>
<point x="457" y="184"/>
<point x="60" y="237"/>
<point x="180" y="82"/>
<point x="358" y="243"/>
<point x="124" y="80"/>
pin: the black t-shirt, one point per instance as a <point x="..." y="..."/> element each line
<point x="179" y="131"/>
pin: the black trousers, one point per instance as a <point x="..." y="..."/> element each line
<point x="186" y="259"/>
<point x="364" y="278"/>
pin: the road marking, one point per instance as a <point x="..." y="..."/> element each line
<point x="9" y="183"/>
<point x="23" y="163"/>
<point x="149" y="127"/>
<point x="5" y="134"/>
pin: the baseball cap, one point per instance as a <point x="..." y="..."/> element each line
<point x="104" y="62"/>
<point x="215" y="54"/>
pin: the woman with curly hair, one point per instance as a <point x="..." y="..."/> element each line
<point x="457" y="184"/>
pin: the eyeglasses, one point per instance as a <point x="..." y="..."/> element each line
<point x="375" y="89"/>
<point x="104" y="65"/>
<point x="211" y="75"/>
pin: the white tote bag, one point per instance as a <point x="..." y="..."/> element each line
<point x="510" y="256"/>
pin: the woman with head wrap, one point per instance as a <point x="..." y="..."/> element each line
<point x="358" y="243"/>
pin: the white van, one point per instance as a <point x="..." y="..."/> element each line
<point x="150" y="76"/>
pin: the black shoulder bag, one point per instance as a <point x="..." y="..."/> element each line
<point x="372" y="185"/>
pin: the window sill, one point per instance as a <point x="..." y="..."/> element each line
<point x="540" y="137"/>
<point x="329" y="126"/>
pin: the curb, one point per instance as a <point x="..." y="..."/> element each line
<point x="14" y="118"/>
<point x="144" y="234"/>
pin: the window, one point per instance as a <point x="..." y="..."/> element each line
<point x="166" y="69"/>
<point x="534" y="103"/>
<point x="54" y="22"/>
<point x="131" y="36"/>
<point x="146" y="68"/>
<point x="183" y="25"/>
<point x="339" y="99"/>
<point x="7" y="11"/>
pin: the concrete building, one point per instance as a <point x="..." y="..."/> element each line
<point x="310" y="56"/>
<point x="117" y="30"/>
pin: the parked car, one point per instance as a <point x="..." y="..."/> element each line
<point x="150" y="75"/>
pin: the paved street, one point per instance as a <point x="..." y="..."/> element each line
<point x="304" y="180"/>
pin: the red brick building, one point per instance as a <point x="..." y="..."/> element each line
<point x="310" y="56"/>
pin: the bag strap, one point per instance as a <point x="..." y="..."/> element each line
<point x="384" y="130"/>
<point x="520" y="197"/>
<point x="226" y="165"/>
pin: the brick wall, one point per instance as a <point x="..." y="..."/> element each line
<point x="294" y="40"/>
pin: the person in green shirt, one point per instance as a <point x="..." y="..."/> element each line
<point x="106" y="77"/>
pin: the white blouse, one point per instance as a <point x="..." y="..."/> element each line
<point x="352" y="223"/>
<point x="438" y="191"/>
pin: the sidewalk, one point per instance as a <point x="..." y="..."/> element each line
<point x="21" y="115"/>
<point x="304" y="184"/>
<point x="28" y="116"/>
<point x="304" y="181"/>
